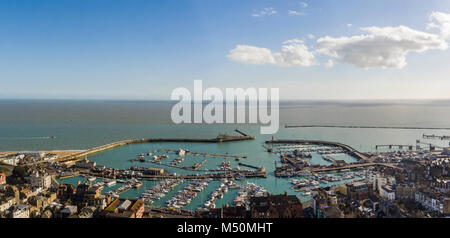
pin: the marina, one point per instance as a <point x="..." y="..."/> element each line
<point x="183" y="189"/>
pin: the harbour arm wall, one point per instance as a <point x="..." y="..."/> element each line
<point x="219" y="139"/>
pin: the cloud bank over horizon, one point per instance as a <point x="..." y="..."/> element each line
<point x="377" y="47"/>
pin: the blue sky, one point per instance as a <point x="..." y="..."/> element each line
<point x="117" y="49"/>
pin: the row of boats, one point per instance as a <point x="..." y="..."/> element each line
<point x="160" y="190"/>
<point x="129" y="184"/>
<point x="313" y="181"/>
<point x="309" y="149"/>
<point x="218" y="193"/>
<point x="106" y="182"/>
<point x="246" y="192"/>
<point x="189" y="192"/>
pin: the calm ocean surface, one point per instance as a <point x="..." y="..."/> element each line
<point x="27" y="125"/>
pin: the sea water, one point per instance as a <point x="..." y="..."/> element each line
<point x="27" y="125"/>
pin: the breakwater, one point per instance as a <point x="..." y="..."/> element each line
<point x="219" y="139"/>
<point x="368" y="127"/>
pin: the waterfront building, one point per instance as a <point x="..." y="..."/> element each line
<point x="149" y="171"/>
<point x="85" y="164"/>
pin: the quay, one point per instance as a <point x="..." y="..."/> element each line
<point x="73" y="174"/>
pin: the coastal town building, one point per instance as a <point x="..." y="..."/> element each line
<point x="227" y="212"/>
<point x="40" y="180"/>
<point x="357" y="191"/>
<point x="68" y="211"/>
<point x="276" y="206"/>
<point x="431" y="201"/>
<point x="6" y="203"/>
<point x="387" y="192"/>
<point x="405" y="191"/>
<point x="2" y="178"/>
<point x="446" y="151"/>
<point x="324" y="204"/>
<point x="124" y="208"/>
<point x="86" y="164"/>
<point x="21" y="211"/>
<point x="87" y="212"/>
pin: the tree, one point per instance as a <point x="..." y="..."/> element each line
<point x="19" y="172"/>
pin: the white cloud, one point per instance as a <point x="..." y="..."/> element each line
<point x="329" y="64"/>
<point x="293" y="53"/>
<point x="295" y="13"/>
<point x="304" y="4"/>
<point x="311" y="36"/>
<point x="251" y="55"/>
<point x="440" y="21"/>
<point x="265" y="12"/>
<point x="384" y="47"/>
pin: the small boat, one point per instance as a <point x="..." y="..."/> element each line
<point x="111" y="183"/>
